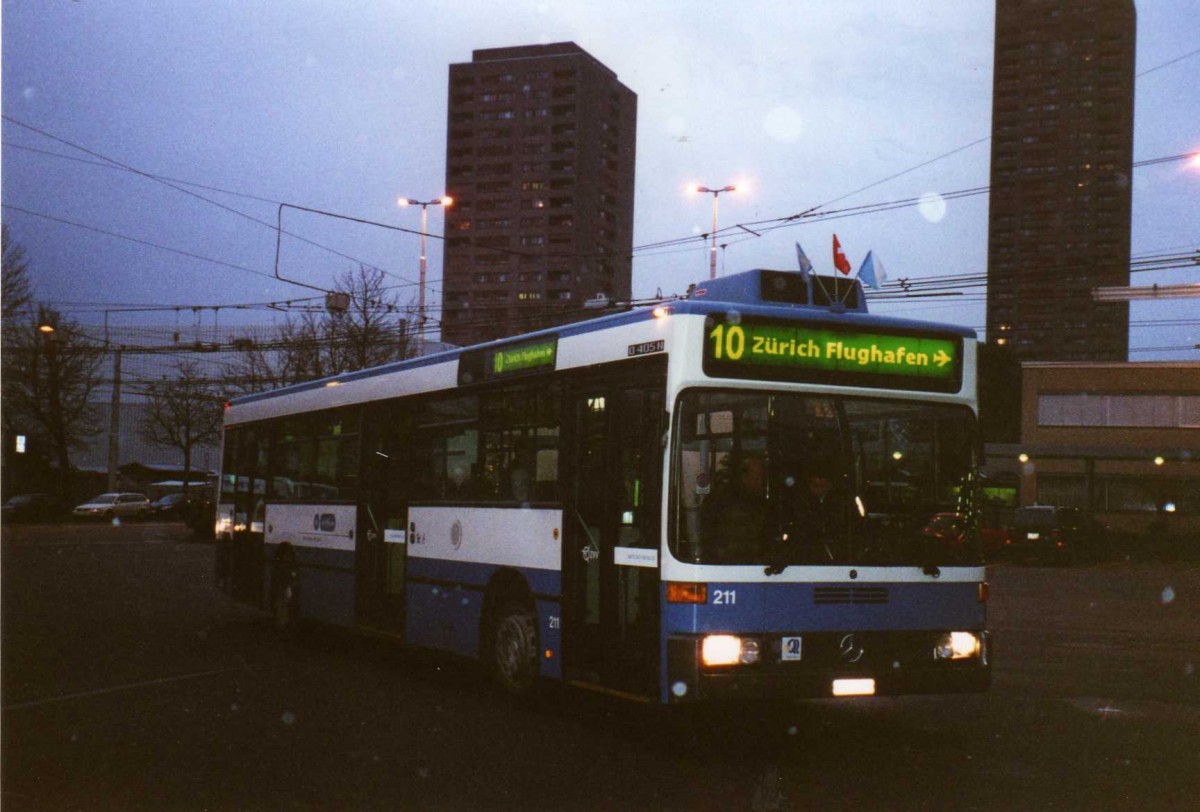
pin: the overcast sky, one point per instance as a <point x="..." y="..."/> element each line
<point x="342" y="107"/>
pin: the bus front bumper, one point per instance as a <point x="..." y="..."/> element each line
<point x="827" y="665"/>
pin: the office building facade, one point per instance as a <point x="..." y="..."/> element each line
<point x="1062" y="152"/>
<point x="540" y="155"/>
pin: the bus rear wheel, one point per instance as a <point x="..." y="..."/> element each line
<point x="514" y="648"/>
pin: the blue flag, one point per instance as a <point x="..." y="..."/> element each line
<point x="871" y="273"/>
<point x="805" y="266"/>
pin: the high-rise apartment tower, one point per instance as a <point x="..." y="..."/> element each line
<point x="1062" y="153"/>
<point x="540" y="154"/>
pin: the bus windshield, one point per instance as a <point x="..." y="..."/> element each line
<point x="783" y="479"/>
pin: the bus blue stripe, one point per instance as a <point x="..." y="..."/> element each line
<point x="793" y="608"/>
<point x="546" y="583"/>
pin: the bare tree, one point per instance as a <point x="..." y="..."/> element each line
<point x="15" y="294"/>
<point x="183" y="412"/>
<point x="370" y="331"/>
<point x="50" y="371"/>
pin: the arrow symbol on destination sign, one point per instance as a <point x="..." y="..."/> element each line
<point x="941" y="358"/>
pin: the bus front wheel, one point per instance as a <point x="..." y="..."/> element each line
<point x="514" y="648"/>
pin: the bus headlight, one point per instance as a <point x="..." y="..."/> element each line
<point x="957" y="646"/>
<point x="728" y="649"/>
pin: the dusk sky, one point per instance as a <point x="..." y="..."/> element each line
<point x="239" y="106"/>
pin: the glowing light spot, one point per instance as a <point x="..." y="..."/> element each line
<point x="932" y="207"/>
<point x="679" y="689"/>
<point x="783" y="124"/>
<point x="288" y="718"/>
<point x="1168" y="595"/>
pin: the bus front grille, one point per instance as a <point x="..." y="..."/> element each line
<point x="850" y="594"/>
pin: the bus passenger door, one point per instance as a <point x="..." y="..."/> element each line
<point x="610" y="551"/>
<point x="380" y="543"/>
<point x="246" y="463"/>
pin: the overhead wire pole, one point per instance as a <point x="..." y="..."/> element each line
<point x="712" y="259"/>
<point x="443" y="201"/>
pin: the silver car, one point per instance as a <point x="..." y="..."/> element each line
<point x="108" y="506"/>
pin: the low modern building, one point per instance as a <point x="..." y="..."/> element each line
<point x="1118" y="440"/>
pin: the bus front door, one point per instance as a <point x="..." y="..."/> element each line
<point x="246" y="466"/>
<point x="610" y="550"/>
<point x="381" y="543"/>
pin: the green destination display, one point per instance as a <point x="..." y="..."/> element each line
<point x="858" y="357"/>
<point x="519" y="358"/>
<point x="523" y="358"/>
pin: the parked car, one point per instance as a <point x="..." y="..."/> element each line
<point x="1051" y="533"/>
<point x="200" y="513"/>
<point x="30" y="507"/>
<point x="109" y="506"/>
<point x="949" y="528"/>
<point x="170" y="506"/>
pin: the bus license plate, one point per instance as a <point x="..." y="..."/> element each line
<point x="792" y="648"/>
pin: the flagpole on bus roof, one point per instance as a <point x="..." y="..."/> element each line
<point x="840" y="263"/>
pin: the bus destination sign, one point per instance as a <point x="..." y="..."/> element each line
<point x="525" y="358"/>
<point x="833" y="354"/>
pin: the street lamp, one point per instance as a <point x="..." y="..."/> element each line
<point x="424" y="204"/>
<point x="712" y="260"/>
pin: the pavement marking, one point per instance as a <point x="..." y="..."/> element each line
<point x="127" y="687"/>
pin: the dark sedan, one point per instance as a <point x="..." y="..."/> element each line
<point x="170" y="506"/>
<point x="30" y="507"/>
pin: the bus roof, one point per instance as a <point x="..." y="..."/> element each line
<point x="748" y="293"/>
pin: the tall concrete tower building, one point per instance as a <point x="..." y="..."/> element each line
<point x="540" y="162"/>
<point x="1062" y="154"/>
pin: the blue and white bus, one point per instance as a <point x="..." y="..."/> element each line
<point x="757" y="491"/>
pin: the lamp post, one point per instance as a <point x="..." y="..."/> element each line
<point x="424" y="204"/>
<point x="712" y="260"/>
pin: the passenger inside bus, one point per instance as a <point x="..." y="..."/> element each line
<point x="734" y="516"/>
<point x="819" y="514"/>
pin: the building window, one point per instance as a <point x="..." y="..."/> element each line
<point x="1119" y="410"/>
<point x="1068" y="491"/>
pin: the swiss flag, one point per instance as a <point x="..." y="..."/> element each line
<point x="839" y="257"/>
